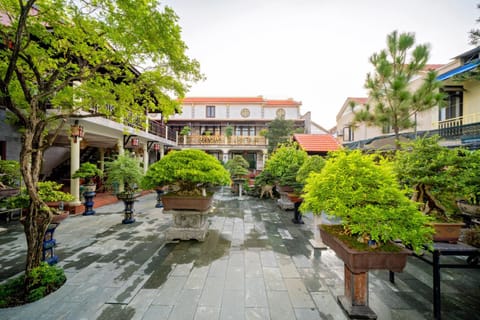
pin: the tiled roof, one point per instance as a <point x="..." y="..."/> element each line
<point x="358" y="100"/>
<point x="316" y="142"/>
<point x="240" y="100"/>
<point x="429" y="67"/>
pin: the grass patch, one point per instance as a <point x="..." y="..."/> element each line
<point x="45" y="280"/>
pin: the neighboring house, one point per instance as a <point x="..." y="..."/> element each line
<point x="211" y="118"/>
<point x="316" y="144"/>
<point x="457" y="122"/>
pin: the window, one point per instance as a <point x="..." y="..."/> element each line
<point x="453" y="105"/>
<point x="348" y="134"/>
<point x="244" y="131"/>
<point x="210" y="112"/>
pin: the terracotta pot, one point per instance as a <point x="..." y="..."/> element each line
<point x="194" y="203"/>
<point x="447" y="232"/>
<point x="294" y="197"/>
<point x="362" y="261"/>
<point x="285" y="189"/>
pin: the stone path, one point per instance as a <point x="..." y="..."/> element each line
<point x="254" y="264"/>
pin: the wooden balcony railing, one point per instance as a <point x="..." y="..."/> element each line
<point x="223" y="140"/>
<point x="161" y="130"/>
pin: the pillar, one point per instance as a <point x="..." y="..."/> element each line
<point x="162" y="151"/>
<point x="317" y="242"/>
<point x="102" y="159"/>
<point x="145" y="158"/>
<point x="74" y="165"/>
<point x="121" y="151"/>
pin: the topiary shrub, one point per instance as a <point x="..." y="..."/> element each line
<point x="188" y="169"/>
<point x="363" y="192"/>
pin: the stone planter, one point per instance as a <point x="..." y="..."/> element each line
<point x="193" y="203"/>
<point x="356" y="267"/>
<point x="187" y="225"/>
<point x="447" y="232"/>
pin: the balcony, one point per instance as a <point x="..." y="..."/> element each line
<point x="464" y="127"/>
<point x="223" y="140"/>
<point x="161" y="130"/>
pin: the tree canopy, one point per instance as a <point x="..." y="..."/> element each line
<point x="393" y="102"/>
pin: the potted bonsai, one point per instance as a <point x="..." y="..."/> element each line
<point x="185" y="132"/>
<point x="362" y="191"/>
<point x="9" y="178"/>
<point x="438" y="177"/>
<point x="284" y="164"/>
<point x="188" y="172"/>
<point x="125" y="171"/>
<point x="238" y="168"/>
<point x="88" y="171"/>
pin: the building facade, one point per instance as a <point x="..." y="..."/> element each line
<point x="227" y="126"/>
<point x="457" y="121"/>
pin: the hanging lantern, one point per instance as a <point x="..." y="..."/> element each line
<point x="135" y="142"/>
<point x="156" y="146"/>
<point x="76" y="131"/>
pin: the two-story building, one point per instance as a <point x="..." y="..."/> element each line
<point x="227" y="126"/>
<point x="457" y="121"/>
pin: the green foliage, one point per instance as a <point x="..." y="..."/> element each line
<point x="279" y="131"/>
<point x="185" y="131"/>
<point x="285" y="162"/>
<point x="10" y="174"/>
<point x="393" y="102"/>
<point x="49" y="191"/>
<point x="45" y="279"/>
<point x="363" y="192"/>
<point x="311" y="164"/>
<point x="88" y="171"/>
<point x="189" y="169"/>
<point x="264" y="178"/>
<point x="228" y="131"/>
<point x="445" y="174"/>
<point x="237" y="166"/>
<point x="124" y="169"/>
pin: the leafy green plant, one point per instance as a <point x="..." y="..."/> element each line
<point x="88" y="171"/>
<point x="49" y="191"/>
<point x="185" y="131"/>
<point x="228" y="131"/>
<point x="438" y="176"/>
<point x="10" y="174"/>
<point x="237" y="166"/>
<point x="45" y="279"/>
<point x="312" y="164"/>
<point x="124" y="170"/>
<point x="188" y="169"/>
<point x="285" y="162"/>
<point x="363" y="192"/>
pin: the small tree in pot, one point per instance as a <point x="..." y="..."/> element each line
<point x="126" y="171"/>
<point x="238" y="168"/>
<point x="188" y="171"/>
<point x="88" y="171"/>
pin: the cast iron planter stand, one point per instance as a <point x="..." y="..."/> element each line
<point x="88" y="195"/>
<point x="159" y="199"/>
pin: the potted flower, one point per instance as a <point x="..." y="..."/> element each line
<point x="189" y="172"/>
<point x="362" y="191"/>
<point x="125" y="171"/>
<point x="88" y="171"/>
<point x="438" y="177"/>
<point x="238" y="168"/>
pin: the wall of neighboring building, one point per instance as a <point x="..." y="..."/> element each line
<point x="471" y="100"/>
<point x="10" y="139"/>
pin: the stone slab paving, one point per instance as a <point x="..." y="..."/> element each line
<point x="253" y="264"/>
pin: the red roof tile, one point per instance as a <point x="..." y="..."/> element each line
<point x="316" y="142"/>
<point x="358" y="100"/>
<point x="240" y="100"/>
<point x="288" y="102"/>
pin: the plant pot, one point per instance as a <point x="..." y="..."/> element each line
<point x="128" y="199"/>
<point x="194" y="203"/>
<point x="447" y="232"/>
<point x="89" y="187"/>
<point x="57" y="218"/>
<point x="294" y="197"/>
<point x="9" y="192"/>
<point x="356" y="267"/>
<point x="287" y="189"/>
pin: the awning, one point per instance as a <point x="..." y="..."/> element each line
<point x="462" y="69"/>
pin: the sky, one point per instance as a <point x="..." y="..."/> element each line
<point x="314" y="51"/>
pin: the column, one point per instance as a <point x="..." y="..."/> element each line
<point x="145" y="158"/>
<point x="121" y="151"/>
<point x="102" y="158"/>
<point x="74" y="165"/>
<point x="162" y="151"/>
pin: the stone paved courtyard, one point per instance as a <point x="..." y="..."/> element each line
<point x="254" y="264"/>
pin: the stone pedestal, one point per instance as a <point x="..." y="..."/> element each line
<point x="187" y="225"/>
<point x="284" y="201"/>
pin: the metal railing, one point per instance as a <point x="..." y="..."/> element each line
<point x="161" y="130"/>
<point x="222" y="140"/>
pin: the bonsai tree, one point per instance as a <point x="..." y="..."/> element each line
<point x="49" y="191"/>
<point x="237" y="166"/>
<point x="9" y="173"/>
<point x="189" y="169"/>
<point x="124" y="170"/>
<point x="285" y="162"/>
<point x="185" y="131"/>
<point x="88" y="171"/>
<point x="437" y="176"/>
<point x="363" y="192"/>
<point x="312" y="164"/>
<point x="228" y="131"/>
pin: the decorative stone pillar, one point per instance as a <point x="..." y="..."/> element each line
<point x="317" y="242"/>
<point x="74" y="165"/>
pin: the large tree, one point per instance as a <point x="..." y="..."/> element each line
<point x="392" y="101"/>
<point x="58" y="57"/>
<point x="279" y="131"/>
<point x="474" y="34"/>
